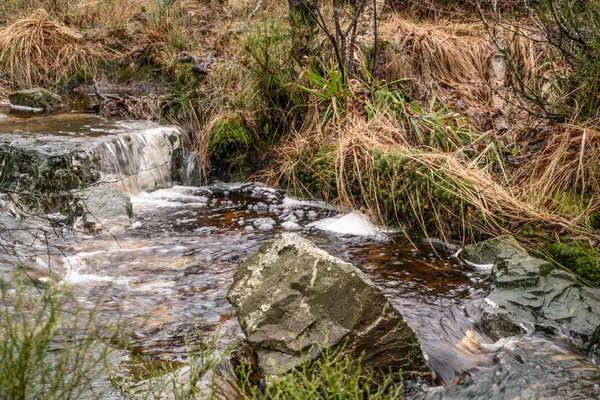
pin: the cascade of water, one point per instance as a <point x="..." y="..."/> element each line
<point x="138" y="161"/>
<point x="191" y="175"/>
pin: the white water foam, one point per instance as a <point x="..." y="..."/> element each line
<point x="354" y="223"/>
<point x="291" y="203"/>
<point x="174" y="197"/>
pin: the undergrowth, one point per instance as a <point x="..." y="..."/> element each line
<point x="50" y="346"/>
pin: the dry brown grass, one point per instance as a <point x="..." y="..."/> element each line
<point x="454" y="62"/>
<point x="109" y="14"/>
<point x="39" y="50"/>
<point x="567" y="163"/>
<point x="490" y="202"/>
<point x="435" y="52"/>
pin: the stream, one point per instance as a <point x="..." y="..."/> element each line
<point x="173" y="266"/>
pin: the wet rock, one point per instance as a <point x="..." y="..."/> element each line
<point x="36" y="98"/>
<point x="594" y="345"/>
<point x="291" y="295"/>
<point x="485" y="253"/>
<point x="291" y="226"/>
<point x="42" y="160"/>
<point x="103" y="210"/>
<point x="531" y="295"/>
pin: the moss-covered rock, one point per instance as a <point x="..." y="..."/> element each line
<point x="229" y="146"/>
<point x="36" y="98"/>
<point x="316" y="173"/>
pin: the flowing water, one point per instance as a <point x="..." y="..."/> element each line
<point x="174" y="265"/>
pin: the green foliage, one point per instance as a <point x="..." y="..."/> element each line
<point x="50" y="347"/>
<point x="335" y="376"/>
<point x="579" y="259"/>
<point x="436" y="127"/>
<point x="267" y="57"/>
<point x="329" y="89"/>
<point x="432" y="126"/>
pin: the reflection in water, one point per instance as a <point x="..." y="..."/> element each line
<point x="175" y="265"/>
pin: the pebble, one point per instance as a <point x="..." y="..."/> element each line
<point x="292" y="226"/>
<point x="291" y="217"/>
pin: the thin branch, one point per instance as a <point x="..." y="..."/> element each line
<point x="258" y="6"/>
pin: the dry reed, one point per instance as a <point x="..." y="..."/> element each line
<point x="39" y="50"/>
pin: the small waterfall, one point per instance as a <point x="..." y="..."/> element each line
<point x="138" y="161"/>
<point x="191" y="170"/>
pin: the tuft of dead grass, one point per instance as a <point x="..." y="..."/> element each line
<point x="566" y="164"/>
<point x="440" y="193"/>
<point x="39" y="50"/>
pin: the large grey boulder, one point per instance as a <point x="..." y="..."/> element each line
<point x="291" y="295"/>
<point x="36" y="98"/>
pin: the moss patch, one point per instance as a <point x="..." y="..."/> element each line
<point x="228" y="148"/>
<point x="579" y="258"/>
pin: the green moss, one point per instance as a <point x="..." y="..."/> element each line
<point x="404" y="190"/>
<point x="579" y="258"/>
<point x="229" y="146"/>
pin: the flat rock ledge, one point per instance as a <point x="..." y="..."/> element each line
<point x="293" y="299"/>
<point x="531" y="295"/>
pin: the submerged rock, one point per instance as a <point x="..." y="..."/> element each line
<point x="103" y="209"/>
<point x="292" y="299"/>
<point x="533" y="367"/>
<point x="36" y="98"/>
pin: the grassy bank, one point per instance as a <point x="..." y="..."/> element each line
<point x="462" y="122"/>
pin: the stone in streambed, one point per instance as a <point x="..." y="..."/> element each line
<point x="102" y="210"/>
<point x="485" y="253"/>
<point x="293" y="299"/>
<point x="36" y="98"/>
<point x="530" y="295"/>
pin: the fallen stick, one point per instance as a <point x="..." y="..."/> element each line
<point x="258" y="6"/>
<point x="197" y="68"/>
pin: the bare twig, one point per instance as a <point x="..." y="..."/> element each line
<point x="197" y="67"/>
<point x="258" y="6"/>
